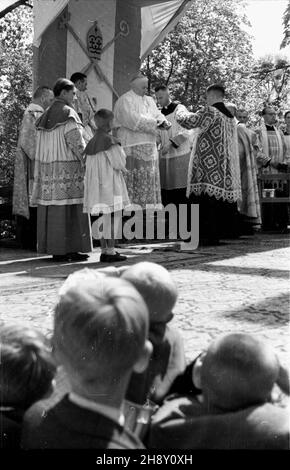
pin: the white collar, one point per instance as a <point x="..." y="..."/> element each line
<point x="35" y="107"/>
<point x="138" y="96"/>
<point x="110" y="412"/>
<point x="165" y="107"/>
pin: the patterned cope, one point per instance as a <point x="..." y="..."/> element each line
<point x="214" y="163"/>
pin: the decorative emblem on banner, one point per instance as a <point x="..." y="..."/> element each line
<point x="96" y="50"/>
<point x="95" y="42"/>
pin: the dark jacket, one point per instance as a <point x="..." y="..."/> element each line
<point x="68" y="426"/>
<point x="10" y="428"/>
<point x="183" y="423"/>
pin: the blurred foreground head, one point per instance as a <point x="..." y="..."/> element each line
<point x="100" y="328"/>
<point x="157" y="288"/>
<point x="26" y="366"/>
<point x="238" y="371"/>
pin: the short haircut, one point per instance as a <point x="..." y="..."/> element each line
<point x="217" y="88"/>
<point x="286" y="114"/>
<point x="78" y="76"/>
<point x="232" y="108"/>
<point x="26" y="367"/>
<point x="41" y="90"/>
<point x="161" y="87"/>
<point x="156" y="286"/>
<point x="100" y="328"/>
<point x="264" y="110"/>
<point x="104" y="114"/>
<point x="238" y="371"/>
<point x="62" y="84"/>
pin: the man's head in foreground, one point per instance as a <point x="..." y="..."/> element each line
<point x="238" y="371"/>
<point x="157" y="288"/>
<point x="100" y="335"/>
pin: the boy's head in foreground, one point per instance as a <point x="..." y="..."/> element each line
<point x="104" y="119"/>
<point x="100" y="331"/>
<point x="27" y="369"/>
<point x="157" y="288"/>
<point x="238" y="371"/>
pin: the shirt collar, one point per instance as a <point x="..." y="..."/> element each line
<point x="167" y="106"/>
<point x="35" y="107"/>
<point x="113" y="414"/>
<point x="270" y="128"/>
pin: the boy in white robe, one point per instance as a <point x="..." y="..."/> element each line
<point x="105" y="188"/>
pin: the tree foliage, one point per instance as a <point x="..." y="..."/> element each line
<point x="14" y="5"/>
<point x="272" y="75"/>
<point x="211" y="44"/>
<point x="15" y="82"/>
<point x="208" y="45"/>
<point x="286" y="24"/>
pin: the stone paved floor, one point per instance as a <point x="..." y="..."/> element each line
<point x="241" y="285"/>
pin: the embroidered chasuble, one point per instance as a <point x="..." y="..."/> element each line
<point x="214" y="167"/>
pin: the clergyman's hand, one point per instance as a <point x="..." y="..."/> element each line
<point x="163" y="125"/>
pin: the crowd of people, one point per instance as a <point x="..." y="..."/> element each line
<point x="70" y="167"/>
<point x="113" y="375"/>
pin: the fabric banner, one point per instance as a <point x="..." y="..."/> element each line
<point x="158" y="20"/>
<point x="45" y="12"/>
<point x="6" y="3"/>
<point x="81" y="18"/>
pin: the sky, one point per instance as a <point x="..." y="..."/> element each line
<point x="266" y="17"/>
